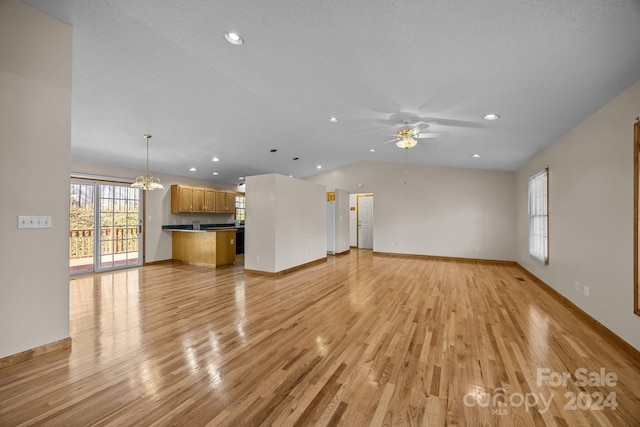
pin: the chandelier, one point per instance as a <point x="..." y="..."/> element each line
<point x="147" y="183"/>
<point x="406" y="138"/>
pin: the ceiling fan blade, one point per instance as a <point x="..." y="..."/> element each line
<point x="451" y="122"/>
<point x="431" y="134"/>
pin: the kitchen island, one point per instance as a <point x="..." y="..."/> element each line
<point x="209" y="247"/>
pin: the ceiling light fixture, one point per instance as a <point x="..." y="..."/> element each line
<point x="147" y="183"/>
<point x="406" y="138"/>
<point x="216" y="173"/>
<point x="233" y="38"/>
<point x="475" y="156"/>
<point x="491" y="117"/>
<point x="373" y="150"/>
<point x="192" y="169"/>
<point x="333" y="119"/>
<point x="215" y="159"/>
<point x="241" y="178"/>
<point x="319" y="167"/>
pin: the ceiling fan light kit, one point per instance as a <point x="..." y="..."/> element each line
<point x="147" y="183"/>
<point x="406" y="138"/>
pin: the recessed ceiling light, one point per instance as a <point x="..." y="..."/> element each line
<point x="373" y="150"/>
<point x="233" y="38"/>
<point x="241" y="178"/>
<point x="216" y="173"/>
<point x="475" y="155"/>
<point x="290" y="176"/>
<point x="215" y="159"/>
<point x="333" y="119"/>
<point x="319" y="167"/>
<point x="491" y="117"/>
<point x="192" y="169"/>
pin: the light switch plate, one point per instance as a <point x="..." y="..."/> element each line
<point x="28" y="221"/>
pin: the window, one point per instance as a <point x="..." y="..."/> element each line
<point x="240" y="208"/>
<point x="539" y="216"/>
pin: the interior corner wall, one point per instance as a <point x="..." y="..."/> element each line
<point x="440" y="211"/>
<point x="286" y="223"/>
<point x="590" y="215"/>
<point x="342" y="226"/>
<point x="35" y="135"/>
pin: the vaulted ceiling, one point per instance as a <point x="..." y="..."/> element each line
<point x="164" y="67"/>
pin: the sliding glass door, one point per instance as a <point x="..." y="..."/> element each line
<point x="106" y="226"/>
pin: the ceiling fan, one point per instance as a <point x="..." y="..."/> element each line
<point x="409" y="134"/>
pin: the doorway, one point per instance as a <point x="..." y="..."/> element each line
<point x="365" y="220"/>
<point x="105" y="230"/>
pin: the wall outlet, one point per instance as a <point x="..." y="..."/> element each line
<point x="586" y="291"/>
<point x="576" y="285"/>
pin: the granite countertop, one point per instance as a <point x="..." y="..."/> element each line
<point x="203" y="227"/>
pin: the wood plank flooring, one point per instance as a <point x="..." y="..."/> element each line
<point x="360" y="340"/>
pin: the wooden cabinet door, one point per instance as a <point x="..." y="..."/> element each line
<point x="209" y="200"/>
<point x="197" y="199"/>
<point x="231" y="203"/>
<point x="221" y="202"/>
<point x="180" y="199"/>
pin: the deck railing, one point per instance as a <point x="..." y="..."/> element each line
<point x="112" y="240"/>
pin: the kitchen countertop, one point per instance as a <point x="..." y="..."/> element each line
<point x="202" y="230"/>
<point x="203" y="227"/>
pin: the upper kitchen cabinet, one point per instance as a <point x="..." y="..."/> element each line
<point x="197" y="200"/>
<point x="181" y="198"/>
<point x="210" y="200"/>
<point x="188" y="199"/>
<point x="225" y="202"/>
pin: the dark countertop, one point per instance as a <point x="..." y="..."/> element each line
<point x="203" y="227"/>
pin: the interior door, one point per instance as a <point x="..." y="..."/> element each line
<point x="365" y="222"/>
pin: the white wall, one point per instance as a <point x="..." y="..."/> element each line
<point x="35" y="135"/>
<point x="439" y="211"/>
<point x="353" y="221"/>
<point x="158" y="242"/>
<point x="286" y="223"/>
<point x="342" y="226"/>
<point x="590" y="215"/>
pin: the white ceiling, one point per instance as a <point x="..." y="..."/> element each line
<point x="163" y="67"/>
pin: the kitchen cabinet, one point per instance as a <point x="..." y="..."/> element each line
<point x="197" y="200"/>
<point x="225" y="202"/>
<point x="209" y="200"/>
<point x="205" y="248"/>
<point x="188" y="199"/>
<point x="181" y="198"/>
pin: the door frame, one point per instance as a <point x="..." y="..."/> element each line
<point x="96" y="180"/>
<point x="358" y="217"/>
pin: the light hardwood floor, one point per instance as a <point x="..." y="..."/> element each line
<point x="359" y="340"/>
